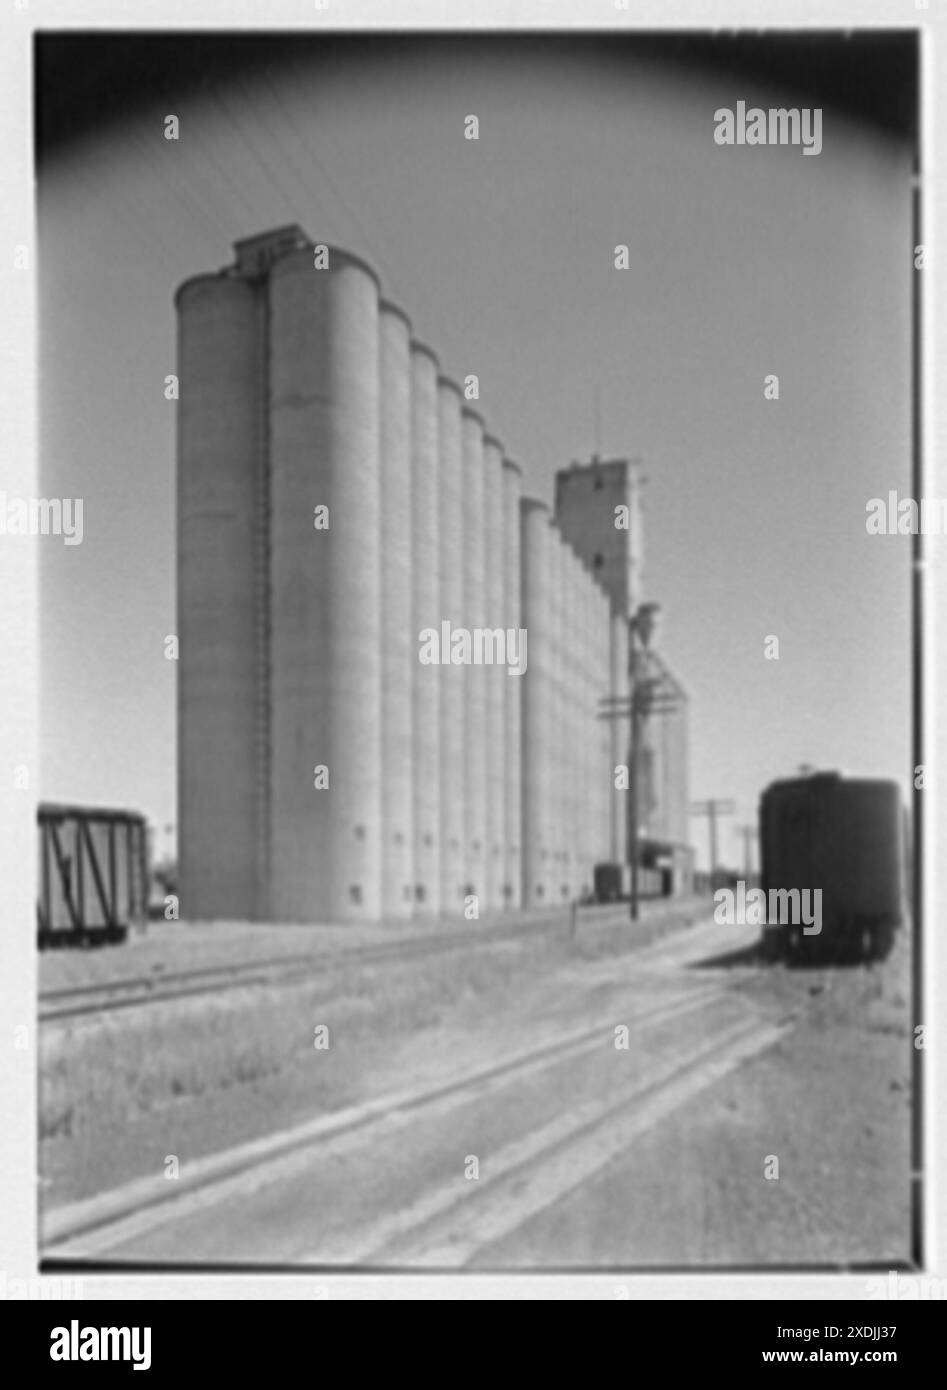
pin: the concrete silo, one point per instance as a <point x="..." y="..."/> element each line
<point x="512" y="689"/>
<point x="558" y="751"/>
<point x="605" y="765"/>
<point x="598" y="691"/>
<point x="537" y="574"/>
<point x="427" y="611"/>
<point x="475" y="674"/>
<point x="325" y="589"/>
<point x="572" y="734"/>
<point x="619" y="734"/>
<point x="584" y="720"/>
<point x="496" y="677"/>
<point x="451" y="518"/>
<point x="222" y="774"/>
<point x="399" y="645"/>
<point x="580" y="727"/>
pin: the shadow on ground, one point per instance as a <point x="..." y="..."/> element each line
<point x="761" y="955"/>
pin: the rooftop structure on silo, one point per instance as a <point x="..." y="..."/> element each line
<point x="609" y="541"/>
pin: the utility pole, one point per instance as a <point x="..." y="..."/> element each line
<point x="712" y="809"/>
<point x="650" y="694"/>
<point x="748" y="832"/>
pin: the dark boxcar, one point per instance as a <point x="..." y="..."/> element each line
<point x="844" y="836"/>
<point x="93" y="874"/>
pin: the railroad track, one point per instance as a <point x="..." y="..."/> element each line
<point x="134" y="992"/>
<point x="445" y="1226"/>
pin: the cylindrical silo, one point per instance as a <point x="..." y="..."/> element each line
<point x="221" y="530"/>
<point x="496" y="677"/>
<point x="399" y="646"/>
<point x="576" y="668"/>
<point x="605" y="784"/>
<point x="551" y="741"/>
<point x="512" y="689"/>
<point x="452" y="516"/>
<point x="597" y="689"/>
<point x="585" y="729"/>
<point x="427" y="610"/>
<point x="620" y="732"/>
<point x="591" y="694"/>
<point x="326" y="589"/>
<point x="537" y="573"/>
<point x="475" y="673"/>
<point x="558" y="753"/>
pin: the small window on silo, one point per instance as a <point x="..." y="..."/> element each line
<point x="599" y="561"/>
<point x="355" y="892"/>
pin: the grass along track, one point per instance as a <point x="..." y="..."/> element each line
<point x="91" y="1227"/>
<point x="77" y="1001"/>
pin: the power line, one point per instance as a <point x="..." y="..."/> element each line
<point x="222" y="105"/>
<point x="328" y="178"/>
<point x="181" y="194"/>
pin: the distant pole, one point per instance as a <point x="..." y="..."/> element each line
<point x="712" y="809"/>
<point x="747" y="831"/>
<point x="712" y="813"/>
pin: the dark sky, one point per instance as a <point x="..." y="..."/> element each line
<point x="83" y="80"/>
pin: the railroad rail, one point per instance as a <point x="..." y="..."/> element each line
<point x="91" y="1227"/>
<point x="128" y="992"/>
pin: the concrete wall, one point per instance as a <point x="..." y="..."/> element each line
<point x="560" y="752"/>
<point x="536" y="549"/>
<point x="585" y="512"/>
<point x="451" y="678"/>
<point x="399" y="651"/>
<point x="512" y="689"/>
<point x="474" y="677"/>
<point x="496" y="678"/>
<point x="603" y="783"/>
<point x="620" y="734"/>
<point x="580" y="732"/>
<point x="326" y="590"/>
<point x="426" y="613"/>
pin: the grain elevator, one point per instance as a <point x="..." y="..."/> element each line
<point x="338" y="499"/>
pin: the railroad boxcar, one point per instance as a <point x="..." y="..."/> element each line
<point x="845" y="837"/>
<point x="93" y="874"/>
